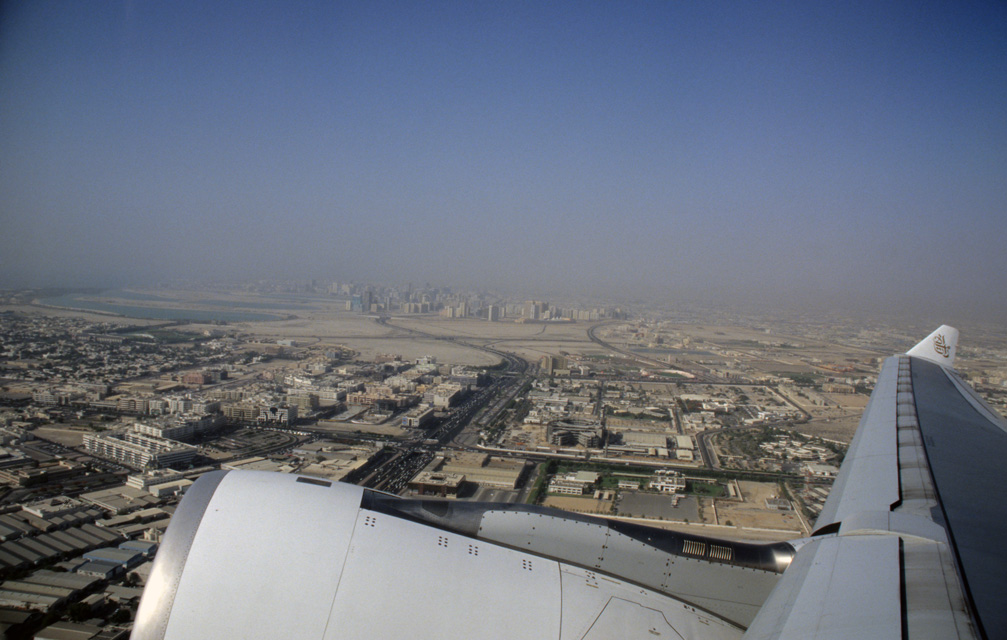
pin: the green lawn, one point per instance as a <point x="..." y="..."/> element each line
<point x="706" y="489"/>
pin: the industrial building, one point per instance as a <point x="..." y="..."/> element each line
<point x="484" y="470"/>
<point x="35" y="547"/>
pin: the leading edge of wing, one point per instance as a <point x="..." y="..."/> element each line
<point x="913" y="490"/>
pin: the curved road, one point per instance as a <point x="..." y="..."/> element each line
<point x="630" y="354"/>
<point x="514" y="363"/>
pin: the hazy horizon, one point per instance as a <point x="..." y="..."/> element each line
<point x="835" y="157"/>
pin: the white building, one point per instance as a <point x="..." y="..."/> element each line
<point x="417" y="417"/>
<point x="278" y="414"/>
<point x="175" y="488"/>
<point x="182" y="428"/>
<point x="575" y="484"/>
<point x="821" y="470"/>
<point x="156" y="476"/>
<point x="138" y="451"/>
<point x="667" y="481"/>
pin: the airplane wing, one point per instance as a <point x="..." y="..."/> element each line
<point x="910" y="543"/>
<point x="907" y="547"/>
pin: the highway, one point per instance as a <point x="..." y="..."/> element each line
<point x="400" y="461"/>
<point x="593" y="335"/>
<point x="460" y="430"/>
<point x="459" y="427"/>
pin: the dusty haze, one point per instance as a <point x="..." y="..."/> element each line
<point x="844" y="157"/>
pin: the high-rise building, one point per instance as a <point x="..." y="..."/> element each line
<point x="535" y="309"/>
<point x="550" y="364"/>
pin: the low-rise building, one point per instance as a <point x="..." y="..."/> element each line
<point x="99" y="569"/>
<point x="418" y="417"/>
<point x="483" y="469"/>
<point x="779" y="504"/>
<point x="152" y="477"/>
<point x="444" y="395"/>
<point x="575" y="484"/>
<point x="125" y="558"/>
<point x="580" y="432"/>
<point x="53" y="507"/>
<point x="821" y="470"/>
<point x="667" y="481"/>
<point x="278" y="414"/>
<point x="182" y="428"/>
<point x="558" y="485"/>
<point x="173" y="488"/>
<point x="121" y="499"/>
<point x="137" y="450"/>
<point x="436" y="483"/>
<point x="241" y="412"/>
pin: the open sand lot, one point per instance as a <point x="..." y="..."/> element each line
<point x="410" y="349"/>
<point x="332" y="326"/>
<point x="840" y="429"/>
<point x="848" y="401"/>
<point x="580" y="505"/>
<point x="90" y="316"/>
<point x="772" y="352"/>
<point x="530" y="341"/>
<point x="63" y="434"/>
<point x="362" y="334"/>
<point x="503" y="330"/>
<point x="836" y="423"/>
<point x="753" y="513"/>
<point x="534" y="351"/>
<point x="388" y="428"/>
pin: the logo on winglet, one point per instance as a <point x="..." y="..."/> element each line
<point x="941" y="346"/>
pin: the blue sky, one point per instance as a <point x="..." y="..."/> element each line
<point x="836" y="153"/>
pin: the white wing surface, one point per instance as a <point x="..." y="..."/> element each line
<point x="909" y="544"/>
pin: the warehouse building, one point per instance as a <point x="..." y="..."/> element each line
<point x="485" y="470"/>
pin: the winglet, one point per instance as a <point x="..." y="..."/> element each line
<point x="938" y="347"/>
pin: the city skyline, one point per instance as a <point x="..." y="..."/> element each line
<point x="788" y="154"/>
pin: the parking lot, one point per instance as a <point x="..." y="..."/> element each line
<point x="656" y="506"/>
